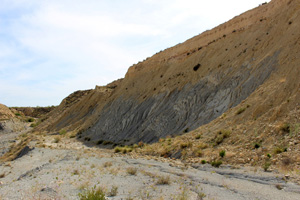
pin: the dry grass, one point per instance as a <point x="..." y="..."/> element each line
<point x="163" y="180"/>
<point x="285" y="127"/>
<point x="220" y="136"/>
<point x="113" y="191"/>
<point x="131" y="170"/>
<point x="150" y="174"/>
<point x="107" y="164"/>
<point x="123" y="150"/>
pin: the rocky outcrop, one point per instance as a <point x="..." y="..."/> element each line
<point x="5" y="113"/>
<point x="36" y="112"/>
<point x="126" y="121"/>
<point x="193" y="83"/>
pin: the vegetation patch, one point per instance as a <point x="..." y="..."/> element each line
<point x="131" y="170"/>
<point x="62" y="132"/>
<point x="240" y="111"/>
<point x="216" y="163"/>
<point x="184" y="145"/>
<point x="197" y="137"/>
<point x="163" y="180"/>
<point x="278" y="150"/>
<point x="93" y="194"/>
<point x="266" y="165"/>
<point x="222" y="153"/>
<point x="220" y="136"/>
<point x="285" y="127"/>
<point x="198" y="153"/>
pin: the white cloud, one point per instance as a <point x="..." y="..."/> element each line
<point x="49" y="49"/>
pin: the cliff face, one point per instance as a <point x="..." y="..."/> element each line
<point x="193" y="83"/>
<point x="181" y="110"/>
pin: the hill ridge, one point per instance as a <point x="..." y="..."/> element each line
<point x="188" y="85"/>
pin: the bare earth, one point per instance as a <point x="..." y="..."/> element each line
<point x="63" y="170"/>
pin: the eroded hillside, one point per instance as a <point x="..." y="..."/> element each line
<point x="250" y="62"/>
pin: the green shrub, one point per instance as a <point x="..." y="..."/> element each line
<point x="269" y="155"/>
<point x="92" y="194"/>
<point x="18" y="114"/>
<point x="203" y="162"/>
<point x="198" y="137"/>
<point x="62" y="132"/>
<point x="266" y="165"/>
<point x="256" y="145"/>
<point x="222" y="153"/>
<point x="279" y="150"/>
<point x="240" y="111"/>
<point x="124" y="150"/>
<point x="117" y="149"/>
<point x="216" y="163"/>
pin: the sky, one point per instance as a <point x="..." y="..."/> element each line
<point x="49" y="49"/>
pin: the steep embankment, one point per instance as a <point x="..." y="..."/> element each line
<point x="5" y="113"/>
<point x="36" y="112"/>
<point x="254" y="56"/>
<point x="9" y="121"/>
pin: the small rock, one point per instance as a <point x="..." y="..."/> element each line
<point x="286" y="176"/>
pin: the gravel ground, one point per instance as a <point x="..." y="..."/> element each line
<point x="65" y="169"/>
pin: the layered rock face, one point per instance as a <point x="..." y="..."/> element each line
<point x="125" y="120"/>
<point x="190" y="84"/>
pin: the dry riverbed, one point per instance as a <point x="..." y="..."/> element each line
<point x="63" y="170"/>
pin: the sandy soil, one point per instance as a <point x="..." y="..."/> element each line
<point x="63" y="170"/>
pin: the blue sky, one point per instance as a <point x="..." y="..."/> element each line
<point x="49" y="49"/>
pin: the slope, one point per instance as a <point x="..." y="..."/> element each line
<point x="253" y="56"/>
